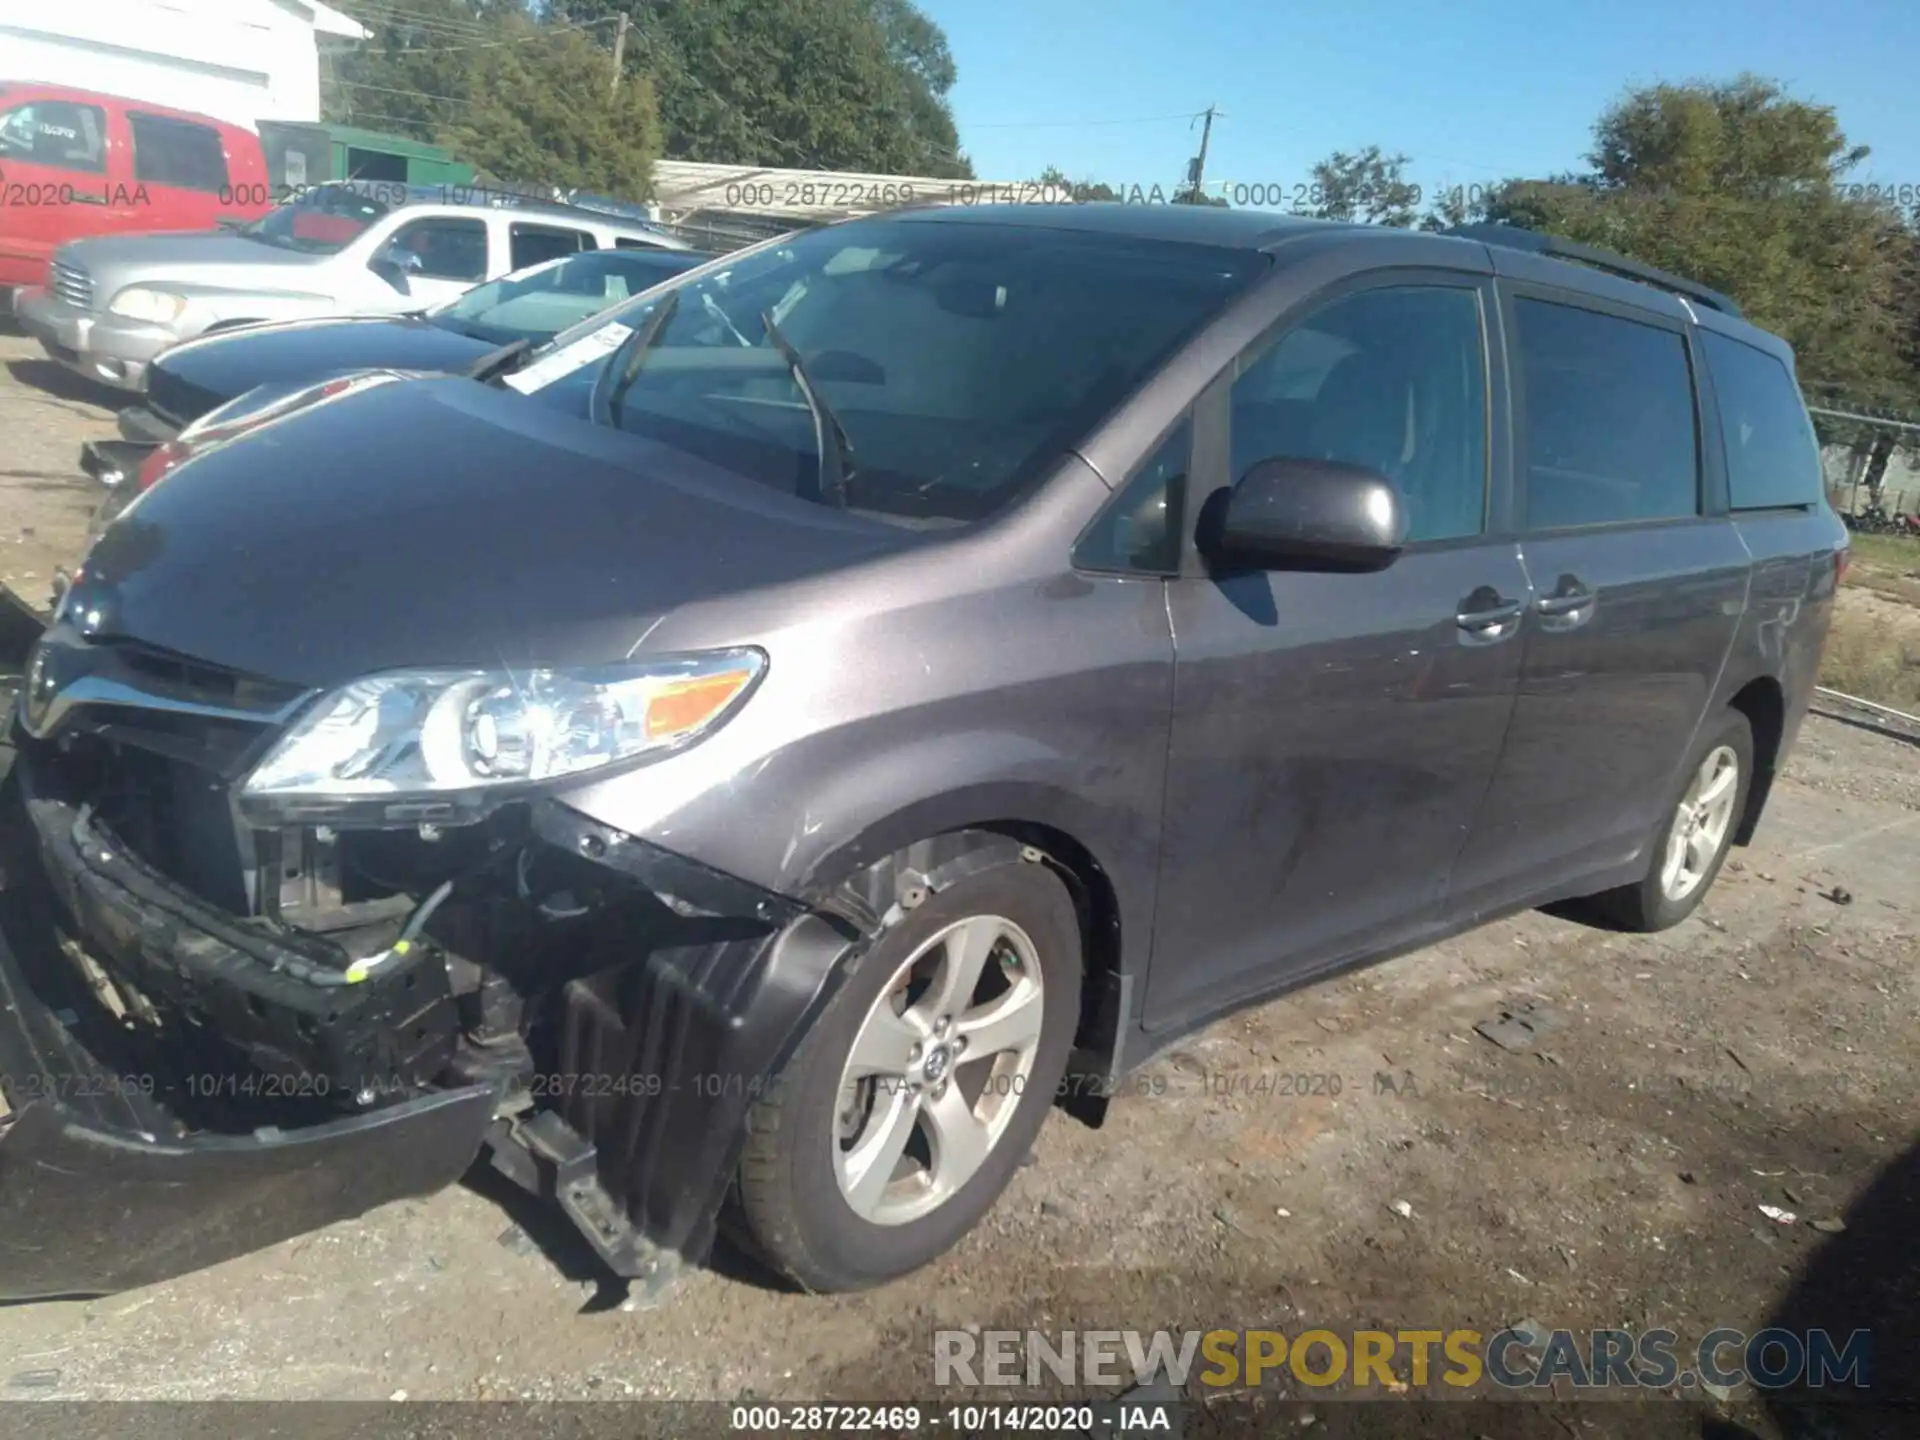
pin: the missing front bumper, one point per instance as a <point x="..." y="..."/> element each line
<point x="99" y="1192"/>
<point x="657" y="1042"/>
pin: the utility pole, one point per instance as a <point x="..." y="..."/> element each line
<point x="619" y="52"/>
<point x="1197" y="169"/>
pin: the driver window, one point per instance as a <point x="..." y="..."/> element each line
<point x="448" y="249"/>
<point x="1393" y="379"/>
<point x="57" y="133"/>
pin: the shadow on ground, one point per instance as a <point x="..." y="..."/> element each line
<point x="62" y="384"/>
<point x="1865" y="1278"/>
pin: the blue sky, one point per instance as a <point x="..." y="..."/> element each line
<point x="1471" y="90"/>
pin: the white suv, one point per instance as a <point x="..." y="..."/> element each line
<point x="113" y="303"/>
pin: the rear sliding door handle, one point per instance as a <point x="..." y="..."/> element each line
<point x="1494" y="620"/>
<point x="1563" y="604"/>
<point x="1570" y="605"/>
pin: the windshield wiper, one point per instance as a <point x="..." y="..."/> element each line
<point x="829" y="435"/>
<point x="496" y="363"/>
<point x="638" y="349"/>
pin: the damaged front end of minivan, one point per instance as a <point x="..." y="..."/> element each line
<point x="235" y="1009"/>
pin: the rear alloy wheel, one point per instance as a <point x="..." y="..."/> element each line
<point x="911" y="1102"/>
<point x="1692" y="843"/>
<point x="1700" y="825"/>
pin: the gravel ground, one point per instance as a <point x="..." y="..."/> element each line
<point x="1759" y="1054"/>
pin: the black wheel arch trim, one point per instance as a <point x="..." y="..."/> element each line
<point x="666" y="1051"/>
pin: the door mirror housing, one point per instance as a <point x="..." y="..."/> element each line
<point x="394" y="263"/>
<point x="1288" y="513"/>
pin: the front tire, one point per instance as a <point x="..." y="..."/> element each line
<point x="912" y="1100"/>
<point x="1692" y="842"/>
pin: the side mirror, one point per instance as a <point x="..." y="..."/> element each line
<point x="1295" y="514"/>
<point x="394" y="263"/>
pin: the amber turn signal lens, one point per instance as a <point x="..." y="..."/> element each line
<point x="682" y="705"/>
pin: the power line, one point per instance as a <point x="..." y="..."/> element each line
<point x="407" y="94"/>
<point x="390" y="14"/>
<point x="469" y="37"/>
<point x="1187" y="115"/>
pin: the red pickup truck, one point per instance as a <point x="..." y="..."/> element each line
<point x="74" y="163"/>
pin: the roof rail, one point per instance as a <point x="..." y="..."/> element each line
<point x="1535" y="243"/>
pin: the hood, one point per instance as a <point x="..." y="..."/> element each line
<point x="193" y="378"/>
<point x="440" y="522"/>
<point x="177" y="255"/>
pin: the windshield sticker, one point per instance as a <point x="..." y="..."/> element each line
<point x="582" y="352"/>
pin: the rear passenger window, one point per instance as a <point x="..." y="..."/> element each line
<point x="177" y="153"/>
<point x="1393" y="379"/>
<point x="533" y="244"/>
<point x="1772" y="455"/>
<point x="1609" y="419"/>
<point x="1143" y="526"/>
<point x="55" y="133"/>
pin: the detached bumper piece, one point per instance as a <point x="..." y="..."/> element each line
<point x="20" y="626"/>
<point x="104" y="1188"/>
<point x="143" y="426"/>
<point x="113" y="463"/>
<point x="659" y="1050"/>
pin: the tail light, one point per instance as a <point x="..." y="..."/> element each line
<point x="233" y="418"/>
<point x="1841" y="557"/>
<point x="159" y="461"/>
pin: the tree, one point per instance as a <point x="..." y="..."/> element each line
<point x="856" y="85"/>
<point x="1745" y="137"/>
<point x="1368" y="186"/>
<point x="1740" y="186"/>
<point x="526" y="101"/>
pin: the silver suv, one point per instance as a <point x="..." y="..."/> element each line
<point x="114" y="303"/>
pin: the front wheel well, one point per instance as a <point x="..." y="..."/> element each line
<point x="1764" y="704"/>
<point x="866" y="897"/>
<point x="1098" y="906"/>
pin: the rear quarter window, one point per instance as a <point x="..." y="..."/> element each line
<point x="1773" y="457"/>
<point x="537" y="244"/>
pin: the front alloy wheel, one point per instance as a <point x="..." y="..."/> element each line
<point x="938" y="1069"/>
<point x="912" y="1100"/>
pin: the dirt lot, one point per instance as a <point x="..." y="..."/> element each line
<point x="1760" y="1054"/>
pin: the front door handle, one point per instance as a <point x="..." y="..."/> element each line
<point x="1485" y="618"/>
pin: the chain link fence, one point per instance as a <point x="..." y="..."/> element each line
<point x="1871" y="464"/>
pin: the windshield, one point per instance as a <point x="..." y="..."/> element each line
<point x="321" y="221"/>
<point x="960" y="357"/>
<point x="545" y="299"/>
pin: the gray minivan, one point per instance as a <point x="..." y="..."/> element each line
<point x="746" y="761"/>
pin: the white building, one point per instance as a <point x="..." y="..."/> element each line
<point x="236" y="60"/>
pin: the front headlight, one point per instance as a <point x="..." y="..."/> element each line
<point x="156" y="307"/>
<point x="434" y="733"/>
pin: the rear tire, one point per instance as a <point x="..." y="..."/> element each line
<point x="1695" y="834"/>
<point x="809" y="1205"/>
